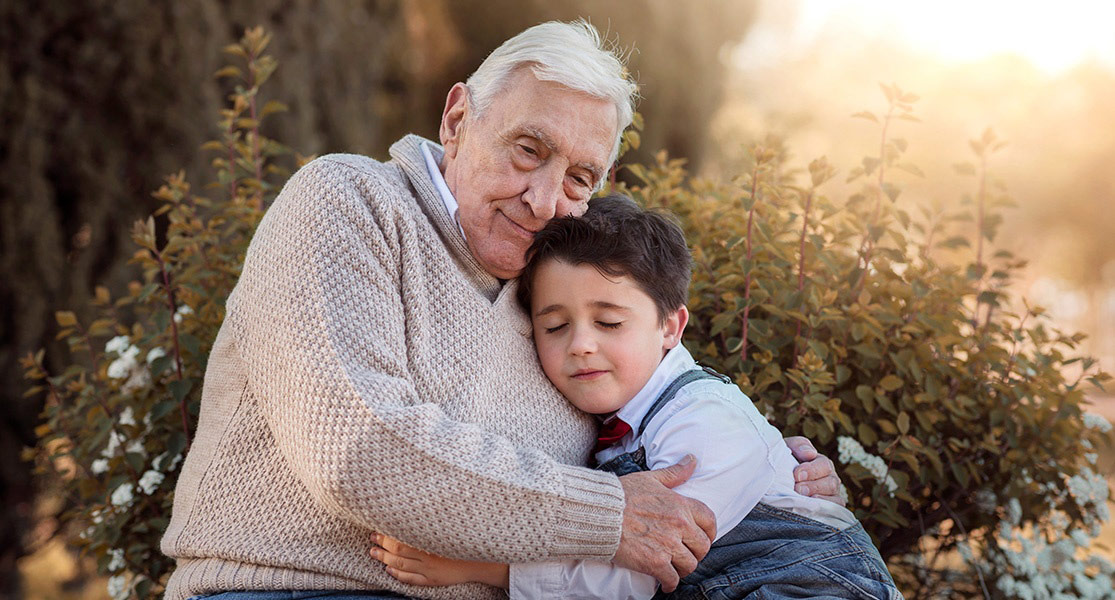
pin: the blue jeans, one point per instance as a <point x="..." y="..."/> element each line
<point x="299" y="595"/>
<point x="775" y="554"/>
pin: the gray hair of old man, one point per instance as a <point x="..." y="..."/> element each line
<point x="571" y="54"/>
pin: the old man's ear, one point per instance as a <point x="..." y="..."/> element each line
<point x="453" y="119"/>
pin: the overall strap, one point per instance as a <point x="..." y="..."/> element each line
<point x="671" y="390"/>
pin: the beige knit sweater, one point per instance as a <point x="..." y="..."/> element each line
<point x="370" y="376"/>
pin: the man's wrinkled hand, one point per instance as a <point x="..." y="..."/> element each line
<point x="816" y="475"/>
<point x="665" y="534"/>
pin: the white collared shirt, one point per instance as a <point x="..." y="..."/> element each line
<point x="741" y="460"/>
<point x="439" y="182"/>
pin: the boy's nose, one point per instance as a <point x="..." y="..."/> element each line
<point x="583" y="342"/>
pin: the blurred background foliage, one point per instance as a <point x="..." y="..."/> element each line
<point x="100" y="100"/>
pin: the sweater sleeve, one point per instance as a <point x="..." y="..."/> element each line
<point x="321" y="326"/>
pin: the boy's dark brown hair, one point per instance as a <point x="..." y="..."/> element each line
<point x="619" y="238"/>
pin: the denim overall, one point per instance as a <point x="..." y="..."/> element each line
<point x="773" y="553"/>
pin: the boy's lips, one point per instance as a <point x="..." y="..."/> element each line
<point x="587" y="374"/>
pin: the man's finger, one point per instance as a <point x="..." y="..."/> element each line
<point x="827" y="486"/>
<point x="684" y="562"/>
<point x="675" y="475"/>
<point x="801" y="448"/>
<point x="667" y="576"/>
<point x="706" y="520"/>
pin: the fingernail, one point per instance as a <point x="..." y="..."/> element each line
<point x="800" y="474"/>
<point x="688" y="459"/>
<point x="375" y="553"/>
<point x="803" y="490"/>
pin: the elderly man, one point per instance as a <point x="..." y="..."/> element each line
<point x="374" y="372"/>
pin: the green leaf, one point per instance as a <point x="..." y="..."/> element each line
<point x="866" y="435"/>
<point x="162" y="409"/>
<point x="891" y="383"/>
<point x="65" y="318"/>
<point x="190" y="343"/>
<point x="721" y="322"/>
<point x="179" y="388"/>
<point x="903" y="423"/>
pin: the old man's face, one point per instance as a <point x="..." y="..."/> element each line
<point x="536" y="152"/>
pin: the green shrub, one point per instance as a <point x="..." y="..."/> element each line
<point x="119" y="420"/>
<point x="892" y="341"/>
<point x="952" y="418"/>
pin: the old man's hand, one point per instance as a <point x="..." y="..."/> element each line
<point x="816" y="475"/>
<point x="665" y="534"/>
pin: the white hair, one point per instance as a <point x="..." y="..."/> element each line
<point x="570" y="54"/>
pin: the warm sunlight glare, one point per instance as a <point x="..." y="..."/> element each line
<point x="1052" y="36"/>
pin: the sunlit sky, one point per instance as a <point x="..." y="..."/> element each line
<point x="1053" y="36"/>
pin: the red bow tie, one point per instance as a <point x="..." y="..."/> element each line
<point x="611" y="432"/>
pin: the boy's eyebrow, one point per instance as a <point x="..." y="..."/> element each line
<point x="547" y="310"/>
<point x="596" y="304"/>
<point x="602" y="304"/>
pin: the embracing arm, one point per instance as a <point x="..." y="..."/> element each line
<point x="319" y="322"/>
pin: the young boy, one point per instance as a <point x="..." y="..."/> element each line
<point x="606" y="295"/>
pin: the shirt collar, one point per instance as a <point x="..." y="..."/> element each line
<point x="677" y="361"/>
<point x="439" y="183"/>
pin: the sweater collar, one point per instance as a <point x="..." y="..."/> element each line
<point x="407" y="153"/>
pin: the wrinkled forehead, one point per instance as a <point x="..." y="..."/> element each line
<point x="565" y="120"/>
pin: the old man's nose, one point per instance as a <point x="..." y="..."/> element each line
<point x="544" y="194"/>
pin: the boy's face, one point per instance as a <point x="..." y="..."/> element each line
<point x="599" y="338"/>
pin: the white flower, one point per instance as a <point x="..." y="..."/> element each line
<point x="1058" y="521"/>
<point x="114" y="440"/>
<point x="850" y="451"/>
<point x="117" y="587"/>
<point x="150" y="481"/>
<point x="182" y="311"/>
<point x="99" y="466"/>
<point x="1087" y="487"/>
<point x="123" y="496"/>
<point x="1014" y="511"/>
<point x="127" y="416"/>
<point x="154" y="354"/>
<point x="120" y="368"/>
<point x="117" y="561"/>
<point x="136" y="447"/>
<point x="1094" y="421"/>
<point x="118" y="344"/>
<point x="140" y="379"/>
<point x="965" y="551"/>
<point x="985" y="500"/>
<point x="161" y="461"/>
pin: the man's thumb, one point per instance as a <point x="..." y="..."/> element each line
<point x="675" y="475"/>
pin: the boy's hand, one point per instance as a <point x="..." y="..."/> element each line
<point x="816" y="475"/>
<point x="413" y="566"/>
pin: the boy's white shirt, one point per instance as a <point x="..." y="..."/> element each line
<point x="741" y="460"/>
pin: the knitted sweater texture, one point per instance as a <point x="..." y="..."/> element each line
<point x="371" y="376"/>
